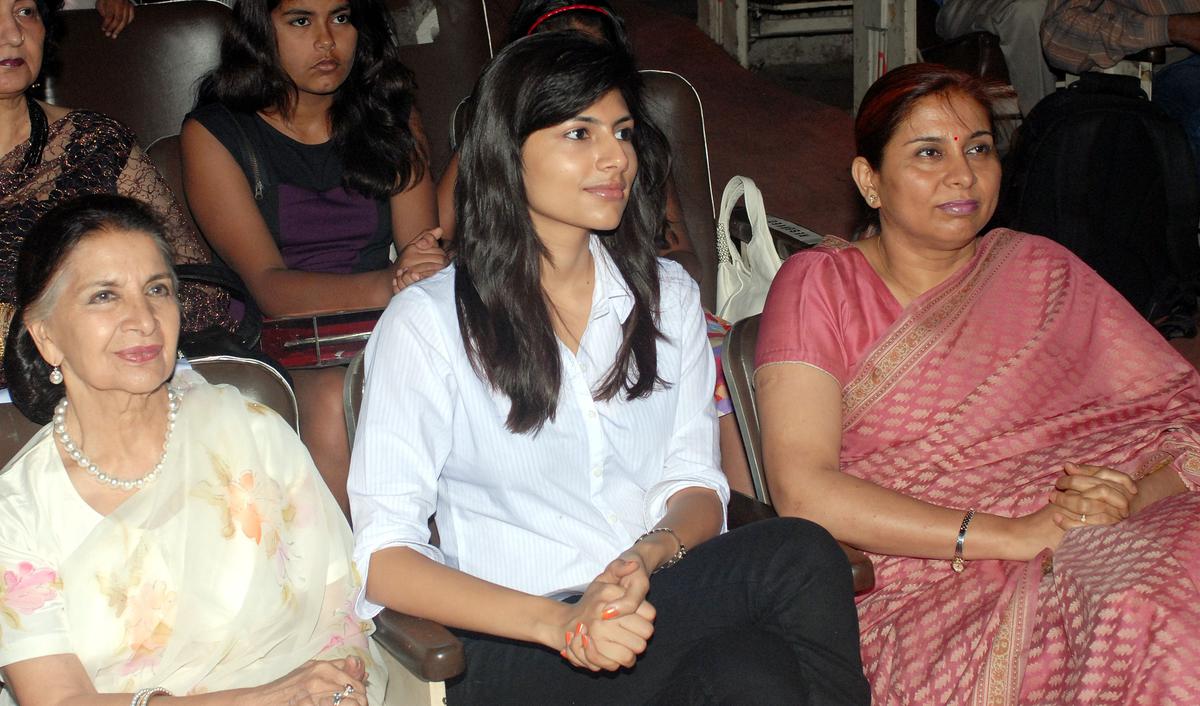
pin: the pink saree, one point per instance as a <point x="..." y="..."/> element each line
<point x="975" y="397"/>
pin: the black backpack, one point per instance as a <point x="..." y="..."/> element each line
<point x="1103" y="171"/>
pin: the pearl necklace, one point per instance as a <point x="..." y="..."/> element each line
<point x="76" y="453"/>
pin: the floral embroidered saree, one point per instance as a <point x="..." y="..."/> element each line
<point x="230" y="570"/>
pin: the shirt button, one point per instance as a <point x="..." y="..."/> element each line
<point x="592" y="414"/>
<point x="597" y="471"/>
<point x="612" y="519"/>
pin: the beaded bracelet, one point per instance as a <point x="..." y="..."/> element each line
<point x="143" y="696"/>
<point x="674" y="558"/>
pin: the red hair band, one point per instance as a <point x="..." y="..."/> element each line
<point x="567" y="8"/>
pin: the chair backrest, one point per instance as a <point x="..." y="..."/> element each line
<point x="165" y="154"/>
<point x="737" y="357"/>
<point x="148" y="76"/>
<point x="675" y="105"/>
<point x="256" y="380"/>
<point x="15" y="432"/>
<point x="352" y="393"/>
<point x="447" y="67"/>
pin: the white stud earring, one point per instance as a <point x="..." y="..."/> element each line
<point x="56" y="376"/>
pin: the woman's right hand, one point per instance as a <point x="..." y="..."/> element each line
<point x="422" y="257"/>
<point x="1038" y="530"/>
<point x="312" y="684"/>
<point x="604" y="640"/>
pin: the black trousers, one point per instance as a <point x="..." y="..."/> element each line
<point x="762" y="615"/>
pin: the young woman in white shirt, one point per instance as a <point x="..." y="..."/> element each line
<point x="549" y="397"/>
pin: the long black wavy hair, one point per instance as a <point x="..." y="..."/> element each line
<point x="534" y="83"/>
<point x="50" y="242"/>
<point x="380" y="154"/>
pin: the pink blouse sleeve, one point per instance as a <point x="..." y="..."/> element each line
<point x="801" y="322"/>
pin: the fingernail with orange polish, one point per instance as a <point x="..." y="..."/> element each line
<point x="610" y="613"/>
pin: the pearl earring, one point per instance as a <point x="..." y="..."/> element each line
<point x="56" y="376"/>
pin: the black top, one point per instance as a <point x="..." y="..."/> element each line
<point x="317" y="223"/>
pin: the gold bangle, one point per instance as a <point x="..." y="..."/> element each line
<point x="958" y="563"/>
<point x="674" y="558"/>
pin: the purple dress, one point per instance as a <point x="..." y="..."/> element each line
<point x="318" y="224"/>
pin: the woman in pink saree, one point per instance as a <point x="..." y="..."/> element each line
<point x="1004" y="434"/>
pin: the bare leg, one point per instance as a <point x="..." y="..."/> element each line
<point x="323" y="426"/>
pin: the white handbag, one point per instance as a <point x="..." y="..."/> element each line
<point x="743" y="277"/>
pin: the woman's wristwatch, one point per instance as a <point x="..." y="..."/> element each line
<point x="674" y="558"/>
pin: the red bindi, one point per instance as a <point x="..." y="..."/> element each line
<point x="956" y="138"/>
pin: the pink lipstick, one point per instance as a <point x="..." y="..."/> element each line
<point x="139" y="354"/>
<point x="609" y="192"/>
<point x="960" y="208"/>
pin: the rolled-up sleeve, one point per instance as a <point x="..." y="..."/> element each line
<point x="693" y="454"/>
<point x="403" y="435"/>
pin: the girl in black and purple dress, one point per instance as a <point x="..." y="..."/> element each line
<point x="303" y="164"/>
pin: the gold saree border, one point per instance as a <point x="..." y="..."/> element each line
<point x="923" y="326"/>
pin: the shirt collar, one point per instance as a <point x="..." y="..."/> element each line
<point x="610" y="294"/>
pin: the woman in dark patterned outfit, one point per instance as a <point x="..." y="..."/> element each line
<point x="52" y="154"/>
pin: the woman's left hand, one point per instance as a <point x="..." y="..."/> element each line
<point x="1093" y="495"/>
<point x="598" y="637"/>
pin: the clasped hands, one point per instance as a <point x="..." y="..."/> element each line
<point x="609" y="627"/>
<point x="1092" y="495"/>
<point x="1084" y="496"/>
<point x="422" y="257"/>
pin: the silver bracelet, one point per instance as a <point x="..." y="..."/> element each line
<point x="958" y="563"/>
<point x="143" y="696"/>
<point x="674" y="558"/>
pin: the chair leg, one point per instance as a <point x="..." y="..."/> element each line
<point x="406" y="689"/>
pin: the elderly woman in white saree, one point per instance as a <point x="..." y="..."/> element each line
<point x="157" y="537"/>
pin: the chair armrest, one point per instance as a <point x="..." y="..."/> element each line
<point x="744" y="509"/>
<point x="1152" y="55"/>
<point x="787" y="236"/>
<point x="861" y="569"/>
<point x="425" y="648"/>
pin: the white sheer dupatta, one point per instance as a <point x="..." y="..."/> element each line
<point x="230" y="571"/>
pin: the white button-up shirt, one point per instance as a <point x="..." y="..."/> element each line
<point x="540" y="513"/>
